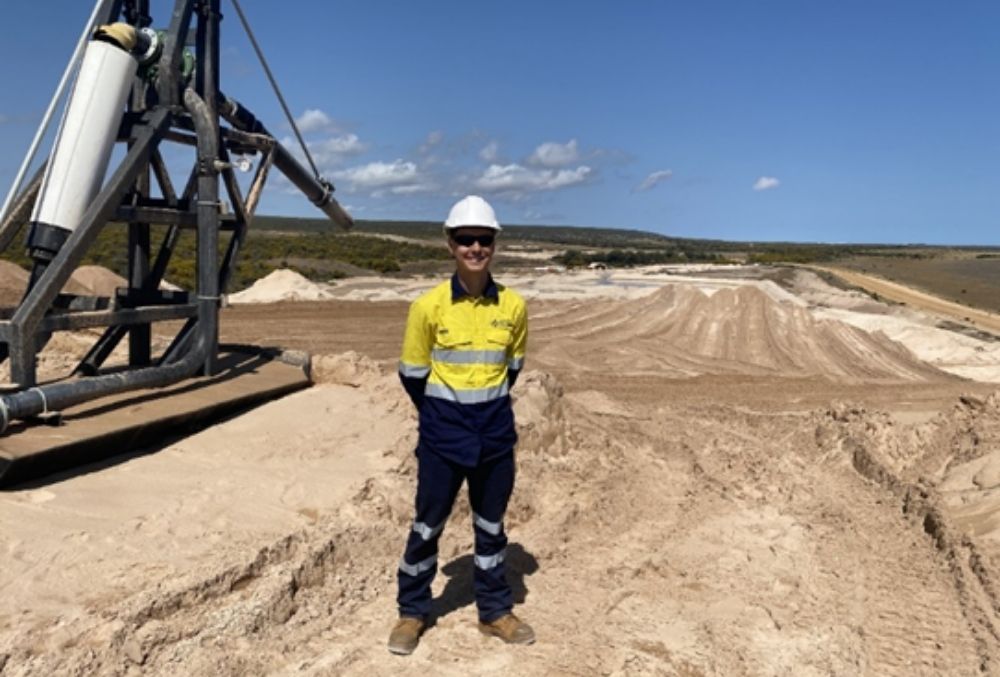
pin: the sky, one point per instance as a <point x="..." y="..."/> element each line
<point x="793" y="120"/>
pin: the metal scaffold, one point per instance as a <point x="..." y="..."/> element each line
<point x="140" y="88"/>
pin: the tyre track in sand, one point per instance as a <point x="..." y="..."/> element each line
<point x="874" y="448"/>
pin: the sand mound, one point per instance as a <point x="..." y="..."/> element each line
<point x="682" y="331"/>
<point x="348" y="368"/>
<point x="281" y="285"/>
<point x="13" y="280"/>
<point x="539" y="410"/>
<point x="97" y="281"/>
<point x="85" y="280"/>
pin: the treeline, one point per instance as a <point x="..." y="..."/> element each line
<point x="791" y="253"/>
<point x="431" y="230"/>
<point x="309" y="254"/>
<point x="624" y="258"/>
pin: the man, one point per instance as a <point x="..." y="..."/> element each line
<point x="462" y="351"/>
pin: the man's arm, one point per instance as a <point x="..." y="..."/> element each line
<point x="520" y="335"/>
<point x="415" y="362"/>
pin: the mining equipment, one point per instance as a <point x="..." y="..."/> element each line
<point x="141" y="87"/>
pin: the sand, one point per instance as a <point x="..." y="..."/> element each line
<point x="281" y="285"/>
<point x="717" y="475"/>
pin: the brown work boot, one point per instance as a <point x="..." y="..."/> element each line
<point x="405" y="635"/>
<point x="510" y="629"/>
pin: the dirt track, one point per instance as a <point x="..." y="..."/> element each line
<point x="898" y="293"/>
<point x="708" y="485"/>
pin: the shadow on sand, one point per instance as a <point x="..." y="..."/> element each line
<point x="458" y="591"/>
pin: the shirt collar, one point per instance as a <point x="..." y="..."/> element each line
<point x="458" y="291"/>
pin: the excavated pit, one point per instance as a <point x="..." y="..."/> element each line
<point x="708" y="484"/>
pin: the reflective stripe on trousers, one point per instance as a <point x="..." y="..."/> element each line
<point x="438" y="482"/>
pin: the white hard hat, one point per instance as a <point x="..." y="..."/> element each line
<point x="472" y="211"/>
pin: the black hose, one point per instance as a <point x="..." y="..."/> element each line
<point x="319" y="191"/>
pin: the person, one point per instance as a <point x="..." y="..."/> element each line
<point x="462" y="351"/>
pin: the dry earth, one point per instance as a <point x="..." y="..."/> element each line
<point x="899" y="293"/>
<point x="717" y="476"/>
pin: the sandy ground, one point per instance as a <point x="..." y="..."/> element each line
<point x="721" y="472"/>
<point x="898" y="293"/>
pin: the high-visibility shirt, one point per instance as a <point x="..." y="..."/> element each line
<point x="461" y="354"/>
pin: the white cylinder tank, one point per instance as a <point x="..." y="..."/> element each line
<point x="87" y="136"/>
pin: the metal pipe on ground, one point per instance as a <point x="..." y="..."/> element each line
<point x="58" y="396"/>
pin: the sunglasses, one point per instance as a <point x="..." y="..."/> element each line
<point x="468" y="240"/>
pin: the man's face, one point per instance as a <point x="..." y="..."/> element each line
<point x="466" y="245"/>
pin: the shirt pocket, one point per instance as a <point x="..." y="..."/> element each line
<point x="451" y="339"/>
<point x="499" y="338"/>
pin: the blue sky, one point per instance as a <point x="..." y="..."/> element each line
<point x="801" y="120"/>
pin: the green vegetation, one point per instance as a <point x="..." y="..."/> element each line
<point x="309" y="254"/>
<point x="775" y="253"/>
<point x="317" y="250"/>
<point x="625" y="258"/>
<point x="430" y="230"/>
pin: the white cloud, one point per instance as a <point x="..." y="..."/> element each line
<point x="490" y="151"/>
<point x="654" y="179"/>
<point x="399" y="176"/>
<point x="433" y="139"/>
<point x="514" y="178"/>
<point x="766" y="183"/>
<point x="314" y="120"/>
<point x="552" y="154"/>
<point x="340" y="146"/>
<point x="329" y="152"/>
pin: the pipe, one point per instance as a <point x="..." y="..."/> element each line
<point x="47" y="118"/>
<point x="83" y="147"/>
<point x="58" y="396"/>
<point x="206" y="122"/>
<point x="318" y="190"/>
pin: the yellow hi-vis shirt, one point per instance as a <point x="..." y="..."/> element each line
<point x="466" y="348"/>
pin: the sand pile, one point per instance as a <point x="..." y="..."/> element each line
<point x="13" y="281"/>
<point x="281" y="285"/>
<point x="348" y="368"/>
<point x="85" y="280"/>
<point x="97" y="281"/>
<point x="682" y="331"/>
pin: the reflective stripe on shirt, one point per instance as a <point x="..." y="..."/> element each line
<point x="413" y="370"/>
<point x="469" y="356"/>
<point x="475" y="396"/>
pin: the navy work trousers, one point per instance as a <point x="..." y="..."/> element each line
<point x="438" y="482"/>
